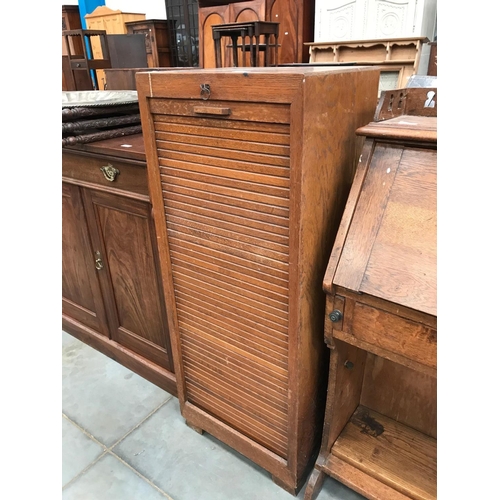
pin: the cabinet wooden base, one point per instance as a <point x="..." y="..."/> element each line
<point x="195" y="428"/>
<point x="143" y="367"/>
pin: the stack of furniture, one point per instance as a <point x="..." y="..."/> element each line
<point x="380" y="431"/>
<point x="295" y="17"/>
<point x="249" y="172"/>
<point x="113" y="22"/>
<point x="92" y="116"/>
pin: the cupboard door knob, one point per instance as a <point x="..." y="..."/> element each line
<point x="335" y="316"/>
<point x="109" y="172"/>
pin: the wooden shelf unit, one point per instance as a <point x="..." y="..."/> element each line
<point x="399" y="58"/>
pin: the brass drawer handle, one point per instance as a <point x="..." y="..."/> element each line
<point x="212" y="110"/>
<point x="109" y="172"/>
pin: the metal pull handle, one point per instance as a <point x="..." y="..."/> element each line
<point x="98" y="261"/>
<point x="109" y="172"/>
<point x="212" y="110"/>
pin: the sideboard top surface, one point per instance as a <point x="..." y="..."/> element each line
<point x="130" y="147"/>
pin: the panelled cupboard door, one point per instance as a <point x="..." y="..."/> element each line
<point x="81" y="292"/>
<point x="123" y="233"/>
<point x="248" y="171"/>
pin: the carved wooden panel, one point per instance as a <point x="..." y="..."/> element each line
<point x="337" y="20"/>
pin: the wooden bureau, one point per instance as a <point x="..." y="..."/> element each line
<point x="380" y="432"/>
<point x="249" y="170"/>
<point x="112" y="293"/>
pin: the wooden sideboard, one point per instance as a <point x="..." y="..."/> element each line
<point x="249" y="171"/>
<point x="380" y="432"/>
<point x="112" y="292"/>
<point x="296" y="18"/>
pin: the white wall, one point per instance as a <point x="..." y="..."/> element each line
<point x="153" y="9"/>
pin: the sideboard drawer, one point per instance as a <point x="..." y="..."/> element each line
<point x="89" y="170"/>
<point x="367" y="325"/>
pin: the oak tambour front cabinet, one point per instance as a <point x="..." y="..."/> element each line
<point x="380" y="432"/>
<point x="248" y="169"/>
<point x="111" y="287"/>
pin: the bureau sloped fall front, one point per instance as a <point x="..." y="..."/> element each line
<point x="249" y="170"/>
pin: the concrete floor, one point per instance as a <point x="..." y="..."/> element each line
<point x="124" y="438"/>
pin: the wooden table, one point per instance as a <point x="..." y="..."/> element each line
<point x="380" y="433"/>
<point x="253" y="30"/>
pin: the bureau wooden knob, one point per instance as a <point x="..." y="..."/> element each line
<point x="335" y="315"/>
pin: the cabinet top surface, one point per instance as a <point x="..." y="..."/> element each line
<point x="250" y="84"/>
<point x="386" y="246"/>
<point x="128" y="147"/>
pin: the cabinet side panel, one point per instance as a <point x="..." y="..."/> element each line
<point x="329" y="158"/>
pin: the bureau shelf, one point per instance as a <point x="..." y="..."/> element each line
<point x="388" y="451"/>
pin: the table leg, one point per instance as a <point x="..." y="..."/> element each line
<point x="218" y="57"/>
<point x="266" y="51"/>
<point x="234" y="39"/>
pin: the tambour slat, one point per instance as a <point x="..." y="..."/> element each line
<point x="256" y="234"/>
<point x="246" y="125"/>
<point x="249" y="380"/>
<point x="226" y="190"/>
<point x="259" y="350"/>
<point x="266" y="113"/>
<point x="252" y="213"/>
<point x="263" y="297"/>
<point x="227" y="413"/>
<point x="238" y="145"/>
<point x="274" y="365"/>
<point x="211" y="306"/>
<point x="229" y="239"/>
<point x="198" y="263"/>
<point x="263" y="344"/>
<point x="176" y="169"/>
<point x="274" y="383"/>
<point x="253" y="301"/>
<point x="237" y="397"/>
<point x="195" y="128"/>
<point x="231" y="193"/>
<point x="223" y="158"/>
<point x="271" y="279"/>
<point x="267" y="177"/>
<point x="275" y="266"/>
<point x="222" y="213"/>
